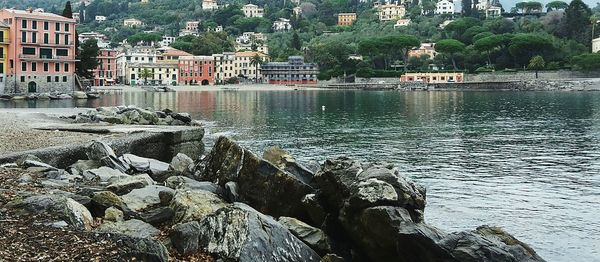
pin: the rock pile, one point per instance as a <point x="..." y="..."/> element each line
<point x="51" y="96"/>
<point x="135" y="116"/>
<point x="236" y="206"/>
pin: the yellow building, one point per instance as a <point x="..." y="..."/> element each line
<point x="346" y="19"/>
<point x="3" y="54"/>
<point x="433" y="77"/>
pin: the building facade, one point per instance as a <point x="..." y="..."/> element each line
<point x="346" y="19"/>
<point x="423" y="49"/>
<point x="135" y="55"/>
<point x="251" y="41"/>
<point x="295" y="71"/>
<point x="433" y="77"/>
<point x="282" y="25"/>
<point x="41" y="52"/>
<point x="192" y="26"/>
<point x="132" y="22"/>
<point x="245" y="68"/>
<point x="224" y="67"/>
<point x="209" y="4"/>
<point x="4" y="40"/>
<point x="251" y="10"/>
<point x="196" y="70"/>
<point x="444" y="7"/>
<point x="106" y="72"/>
<point x="595" y="45"/>
<point x="158" y="74"/>
<point x="391" y="12"/>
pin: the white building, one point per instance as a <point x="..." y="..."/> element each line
<point x="224" y="67"/>
<point x="192" y="25"/>
<point x="444" y="7"/>
<point x="167" y="40"/>
<point x="135" y="55"/>
<point x="249" y="40"/>
<point x="297" y="11"/>
<point x="390" y="12"/>
<point x="160" y="74"/>
<point x="493" y="11"/>
<point x="251" y="10"/>
<point x="100" y="18"/>
<point x="102" y="40"/>
<point x="76" y="16"/>
<point x="209" y="4"/>
<point x="185" y="32"/>
<point x="282" y="25"/>
<point x="401" y="23"/>
<point x="132" y="22"/>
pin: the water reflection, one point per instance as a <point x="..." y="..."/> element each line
<point x="527" y="161"/>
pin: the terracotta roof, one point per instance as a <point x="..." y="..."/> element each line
<point x="175" y="52"/>
<point x="37" y="15"/>
<point x="249" y="53"/>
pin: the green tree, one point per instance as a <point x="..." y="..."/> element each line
<point x="256" y="61"/>
<point x="524" y="46"/>
<point x="88" y="58"/>
<point x="556" y="5"/>
<point x="578" y="21"/>
<point x="536" y="63"/>
<point x="467" y="7"/>
<point x="296" y="43"/>
<point x="145" y="74"/>
<point x="587" y="62"/>
<point x="490" y="44"/>
<point x="67" y="12"/>
<point x="450" y="47"/>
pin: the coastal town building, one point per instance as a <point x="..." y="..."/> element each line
<point x="196" y="70"/>
<point x="346" y="19"/>
<point x="135" y="55"/>
<point x="192" y="26"/>
<point x="101" y="39"/>
<point x="4" y="40"/>
<point x="251" y="10"/>
<point x="185" y="32"/>
<point x="167" y="40"/>
<point x="444" y="7"/>
<point x="282" y="25"/>
<point x="159" y="74"/>
<point x="41" y="52"/>
<point x="423" y="49"/>
<point x="209" y="5"/>
<point x="224" y="67"/>
<point x="297" y="11"/>
<point x="493" y="11"/>
<point x="100" y="18"/>
<point x="251" y="41"/>
<point x="217" y="29"/>
<point x="132" y="22"/>
<point x="169" y="55"/>
<point x="294" y="71"/>
<point x="401" y="23"/>
<point x="433" y="77"/>
<point x="106" y="72"/>
<point x="595" y="45"/>
<point x="390" y="11"/>
<point x="245" y="68"/>
<point x="76" y="16"/>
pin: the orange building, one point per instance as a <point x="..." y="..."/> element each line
<point x="346" y="19"/>
<point x="41" y="56"/>
<point x="196" y="70"/>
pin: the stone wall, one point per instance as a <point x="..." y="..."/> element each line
<point x="529" y="75"/>
<point x="42" y="84"/>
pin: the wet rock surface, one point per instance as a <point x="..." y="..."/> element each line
<point x="132" y="115"/>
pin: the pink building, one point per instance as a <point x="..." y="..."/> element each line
<point x="192" y="26"/>
<point x="196" y="70"/>
<point x="41" y="53"/>
<point x="106" y="72"/>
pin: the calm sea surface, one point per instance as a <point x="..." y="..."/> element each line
<point x="526" y="161"/>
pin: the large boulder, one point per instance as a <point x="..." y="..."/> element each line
<point x="101" y="151"/>
<point x="55" y="207"/>
<point x="185" y="183"/>
<point x="143" y="164"/>
<point x="124" y="186"/>
<point x="184" y="237"/>
<point x="284" y="161"/>
<point x="194" y="205"/>
<point x="259" y="183"/>
<point x="181" y="163"/>
<point x="104" y="175"/>
<point x="132" y="228"/>
<point x="240" y="233"/>
<point x="312" y="236"/>
<point x="145" y="249"/>
<point x="488" y="244"/>
<point x="144" y="198"/>
<point x="103" y="200"/>
<point x="81" y="166"/>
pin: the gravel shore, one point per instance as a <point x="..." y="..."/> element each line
<point x="18" y="133"/>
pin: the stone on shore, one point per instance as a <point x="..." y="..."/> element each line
<point x="144" y="198"/>
<point x="259" y="183"/>
<point x="284" y="161"/>
<point x="114" y="215"/>
<point x="312" y="236"/>
<point x="81" y="166"/>
<point x="181" y="163"/>
<point x="240" y="233"/>
<point x="100" y="151"/>
<point x="125" y="185"/>
<point x="56" y="206"/>
<point x="194" y="205"/>
<point x="132" y="228"/>
<point x="104" y="174"/>
<point x="103" y="200"/>
<point x="184" y="237"/>
<point x="186" y="183"/>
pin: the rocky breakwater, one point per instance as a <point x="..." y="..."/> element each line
<point x="51" y="96"/>
<point x="132" y="115"/>
<point x="233" y="205"/>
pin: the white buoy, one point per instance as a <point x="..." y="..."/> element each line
<point x="323" y="108"/>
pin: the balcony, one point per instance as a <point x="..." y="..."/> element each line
<point x="46" y="58"/>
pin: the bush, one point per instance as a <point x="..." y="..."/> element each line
<point x="553" y="66"/>
<point x="484" y="69"/>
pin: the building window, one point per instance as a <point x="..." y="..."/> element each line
<point x="57" y="39"/>
<point x="49" y="79"/>
<point x="57" y="29"/>
<point x="56" y="79"/>
<point x="23" y="66"/>
<point x="62" y="52"/>
<point x="28" y="51"/>
<point x="33" y="66"/>
<point x="33" y="24"/>
<point x="22" y="78"/>
<point x="66" y="27"/>
<point x="56" y="67"/>
<point x="46" y="26"/>
<point x="45" y="38"/>
<point x="66" y="39"/>
<point x="24" y="24"/>
<point x="34" y="37"/>
<point x="66" y="67"/>
<point x="1" y="69"/>
<point x="46" y="67"/>
<point x="45" y="53"/>
<point x="64" y="78"/>
<point x="23" y="37"/>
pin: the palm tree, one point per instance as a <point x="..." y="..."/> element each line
<point x="145" y="74"/>
<point x="536" y="63"/>
<point x="256" y="61"/>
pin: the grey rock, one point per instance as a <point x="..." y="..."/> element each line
<point x="147" y="250"/>
<point x="102" y="200"/>
<point x="21" y="160"/>
<point x="58" y="206"/>
<point x="240" y="233"/>
<point x="181" y="182"/>
<point x="113" y="214"/>
<point x="314" y="237"/>
<point x="371" y="192"/>
<point x="157" y="216"/>
<point x="132" y="228"/>
<point x="125" y="185"/>
<point x="315" y="210"/>
<point x="332" y="258"/>
<point x="231" y="191"/>
<point x="183" y="117"/>
<point x="144" y="198"/>
<point x="260" y="184"/>
<point x="284" y="161"/>
<point x="101" y="151"/>
<point x="165" y="197"/>
<point x="181" y="163"/>
<point x="104" y="174"/>
<point x="25" y="179"/>
<point x="194" y="205"/>
<point x="142" y="164"/>
<point x="184" y="237"/>
<point x="81" y="166"/>
<point x="33" y="163"/>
